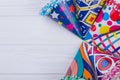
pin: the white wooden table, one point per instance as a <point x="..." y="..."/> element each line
<point x="33" y="47"/>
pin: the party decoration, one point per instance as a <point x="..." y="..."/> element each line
<point x="63" y="11"/>
<point x="87" y="12"/>
<point x="108" y="42"/>
<point x="108" y="19"/>
<point x="99" y="58"/>
<point x="91" y="61"/>
<point x="81" y="66"/>
<point x="106" y="66"/>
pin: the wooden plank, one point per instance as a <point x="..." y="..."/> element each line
<point x="34" y="30"/>
<point x="33" y="59"/>
<point x="30" y="77"/>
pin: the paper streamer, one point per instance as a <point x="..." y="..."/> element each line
<point x="87" y="12"/>
<point x="63" y="11"/>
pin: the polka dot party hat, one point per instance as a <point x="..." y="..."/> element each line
<point x="108" y="20"/>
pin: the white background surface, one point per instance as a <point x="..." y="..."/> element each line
<point x="33" y="47"/>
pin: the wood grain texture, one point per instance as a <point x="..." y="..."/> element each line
<point x="33" y="47"/>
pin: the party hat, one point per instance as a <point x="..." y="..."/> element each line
<point x="63" y="12"/>
<point x="108" y="42"/>
<point x="81" y="66"/>
<point x="106" y="66"/>
<point x="87" y="12"/>
<point x="108" y="20"/>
